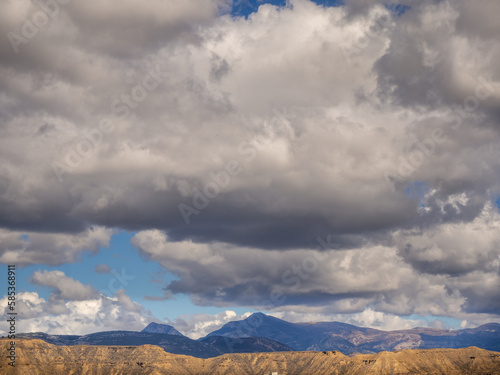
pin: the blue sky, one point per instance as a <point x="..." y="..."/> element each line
<point x="141" y="277"/>
<point x="247" y="7"/>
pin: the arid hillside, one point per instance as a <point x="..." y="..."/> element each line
<point x="38" y="357"/>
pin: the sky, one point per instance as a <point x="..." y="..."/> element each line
<point x="192" y="162"/>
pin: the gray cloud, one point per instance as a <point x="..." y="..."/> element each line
<point x="102" y="268"/>
<point x="479" y="20"/>
<point x="454" y="248"/>
<point x="319" y="170"/>
<point x="25" y="248"/>
<point x="334" y="281"/>
<point x="434" y="271"/>
<point x="317" y="105"/>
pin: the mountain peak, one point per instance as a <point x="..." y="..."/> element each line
<point x="257" y="316"/>
<point x="261" y="317"/>
<point x="161" y="328"/>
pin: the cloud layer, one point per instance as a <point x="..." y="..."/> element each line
<point x="232" y="144"/>
<point x="449" y="271"/>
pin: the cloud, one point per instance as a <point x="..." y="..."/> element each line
<point x="102" y="268"/>
<point x="222" y="275"/>
<point x="65" y="287"/>
<point x="77" y="317"/>
<point x="330" y="116"/>
<point x="478" y="20"/>
<point x="24" y="248"/>
<point x="455" y="248"/>
<point x="200" y="325"/>
<point x="101" y="28"/>
<point x="367" y="318"/>
<point x="330" y="107"/>
<point x="166" y="296"/>
<point x="416" y="274"/>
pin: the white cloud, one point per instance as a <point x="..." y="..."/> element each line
<point x="367" y="318"/>
<point x="79" y="317"/>
<point x="200" y="325"/>
<point x="65" y="287"/>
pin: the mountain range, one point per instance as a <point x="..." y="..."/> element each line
<point x="350" y="339"/>
<point x="264" y="333"/>
<point x="177" y="344"/>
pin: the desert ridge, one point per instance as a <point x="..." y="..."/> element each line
<point x="38" y="357"/>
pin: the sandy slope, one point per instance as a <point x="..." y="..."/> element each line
<point x="38" y="357"/>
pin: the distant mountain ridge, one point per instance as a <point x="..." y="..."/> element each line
<point x="350" y="339"/>
<point x="171" y="343"/>
<point x="263" y="333"/>
<point x="161" y="328"/>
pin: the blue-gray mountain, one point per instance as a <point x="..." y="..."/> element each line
<point x="245" y="344"/>
<point x="350" y="339"/>
<point x="161" y="328"/>
<point x="171" y="343"/>
<point x="263" y="333"/>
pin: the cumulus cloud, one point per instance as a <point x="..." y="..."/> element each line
<point x="455" y="248"/>
<point x="366" y="318"/>
<point x="271" y="131"/>
<point x="384" y="279"/>
<point x="25" y="248"/>
<point x="65" y="287"/>
<point x="77" y="317"/>
<point x="329" y="108"/>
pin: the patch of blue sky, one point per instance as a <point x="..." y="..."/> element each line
<point x="129" y="271"/>
<point x="417" y="190"/>
<point x="398" y="9"/>
<point x="447" y="322"/>
<point x="243" y="8"/>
